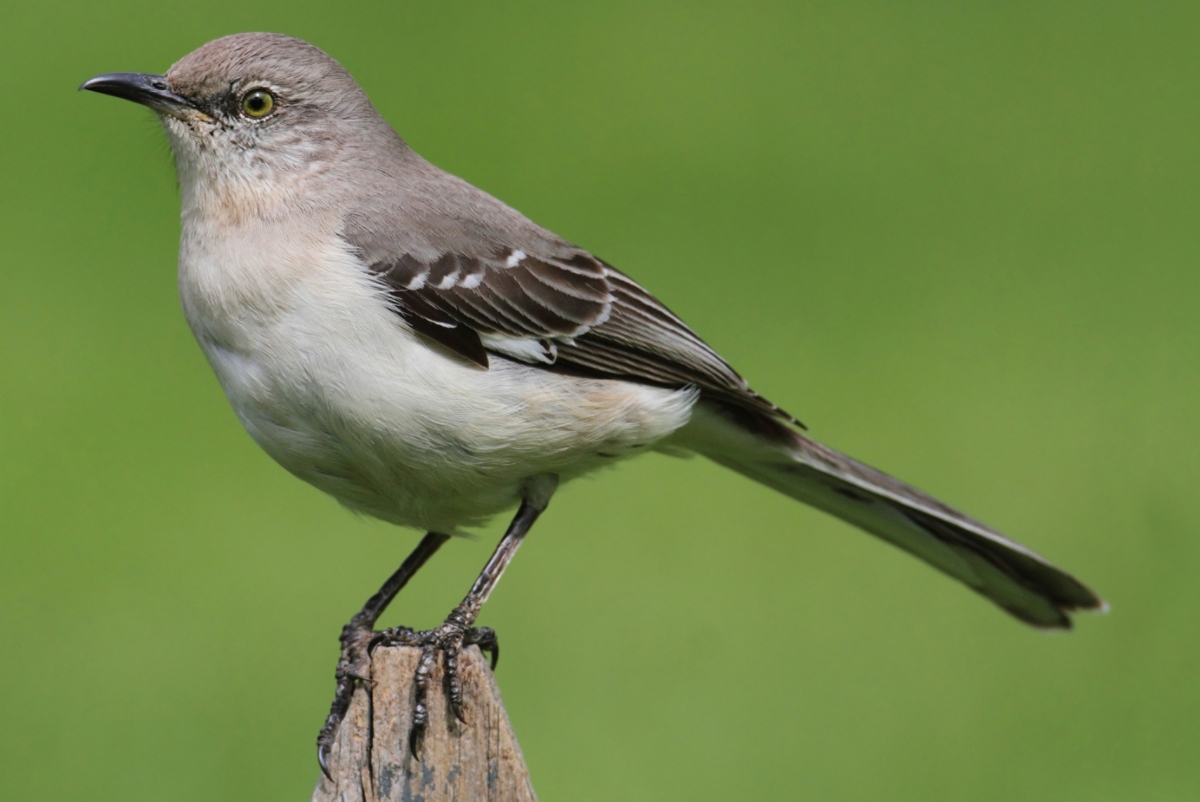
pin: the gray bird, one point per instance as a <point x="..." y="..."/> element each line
<point x="427" y="355"/>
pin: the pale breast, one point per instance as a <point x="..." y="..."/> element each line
<point x="331" y="383"/>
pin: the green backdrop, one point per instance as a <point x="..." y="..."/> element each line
<point x="960" y="241"/>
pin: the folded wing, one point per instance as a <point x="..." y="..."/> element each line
<point x="565" y="311"/>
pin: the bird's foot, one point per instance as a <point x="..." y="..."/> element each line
<point x="353" y="668"/>
<point x="449" y="639"/>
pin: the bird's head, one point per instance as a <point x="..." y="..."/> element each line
<point x="254" y="114"/>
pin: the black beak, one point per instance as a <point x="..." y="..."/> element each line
<point x="149" y="90"/>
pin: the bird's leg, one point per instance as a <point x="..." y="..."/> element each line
<point x="354" y="665"/>
<point x="456" y="631"/>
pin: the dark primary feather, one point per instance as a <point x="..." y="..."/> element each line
<point x="1011" y="576"/>
<point x="564" y="311"/>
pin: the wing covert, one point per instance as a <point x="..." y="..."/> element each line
<point x="566" y="311"/>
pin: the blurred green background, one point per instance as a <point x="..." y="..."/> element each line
<point x="960" y="242"/>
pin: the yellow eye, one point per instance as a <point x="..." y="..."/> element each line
<point x="258" y="103"/>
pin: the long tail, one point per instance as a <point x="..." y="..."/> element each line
<point x="1012" y="576"/>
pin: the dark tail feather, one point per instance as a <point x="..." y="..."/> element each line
<point x="1007" y="573"/>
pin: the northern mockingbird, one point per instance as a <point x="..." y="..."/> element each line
<point x="429" y="356"/>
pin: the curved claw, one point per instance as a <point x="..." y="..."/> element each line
<point x="416" y="738"/>
<point x="323" y="758"/>
<point x="337" y="712"/>
<point x="485" y="638"/>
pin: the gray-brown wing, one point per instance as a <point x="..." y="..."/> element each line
<point x="567" y="311"/>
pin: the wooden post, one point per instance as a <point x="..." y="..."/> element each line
<point x="479" y="760"/>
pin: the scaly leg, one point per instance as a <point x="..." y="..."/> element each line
<point x="354" y="665"/>
<point x="456" y="631"/>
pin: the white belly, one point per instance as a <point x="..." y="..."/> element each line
<point x="330" y="383"/>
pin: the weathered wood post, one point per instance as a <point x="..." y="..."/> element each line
<point x="371" y="761"/>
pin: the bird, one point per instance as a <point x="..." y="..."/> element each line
<point x="429" y="356"/>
